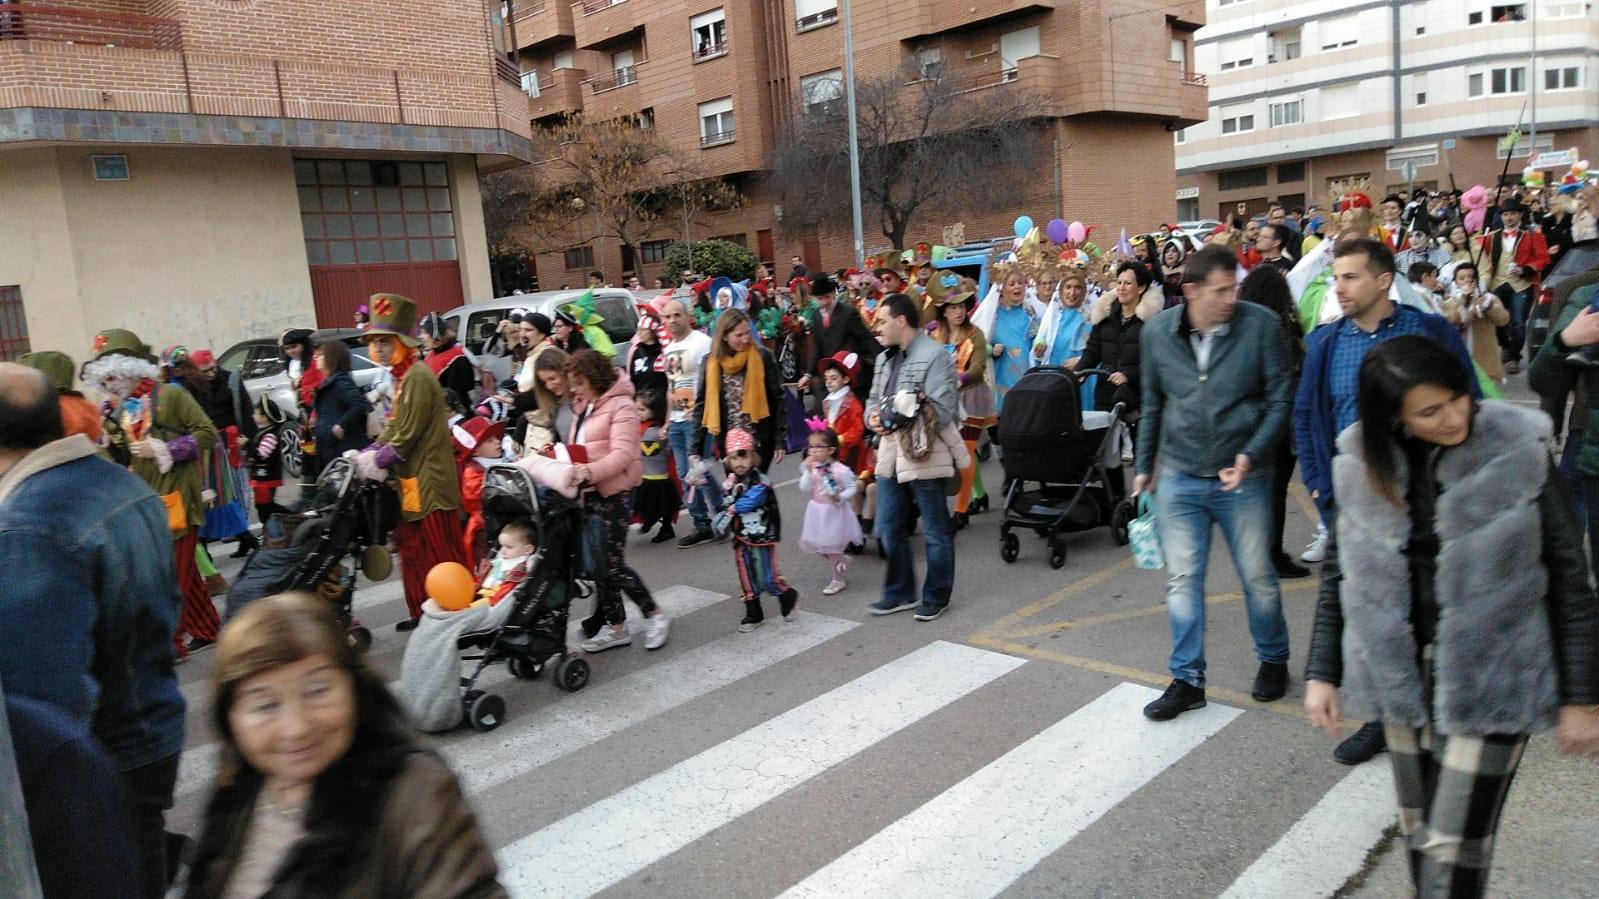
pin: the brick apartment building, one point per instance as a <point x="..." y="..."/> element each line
<point x="1304" y="93"/>
<point x="208" y="170"/>
<point x="720" y="76"/>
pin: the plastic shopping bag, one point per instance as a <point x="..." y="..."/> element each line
<point x="1143" y="535"/>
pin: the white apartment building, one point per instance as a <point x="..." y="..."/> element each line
<point x="1304" y="93"/>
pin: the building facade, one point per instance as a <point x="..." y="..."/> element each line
<point x="203" y="171"/>
<point x="720" y="77"/>
<point x="1303" y="93"/>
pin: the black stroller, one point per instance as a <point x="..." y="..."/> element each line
<point x="346" y="518"/>
<point x="1047" y="438"/>
<point x="533" y="634"/>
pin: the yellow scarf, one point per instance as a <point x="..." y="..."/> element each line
<point x="754" y="369"/>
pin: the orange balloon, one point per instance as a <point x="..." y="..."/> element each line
<point x="450" y="585"/>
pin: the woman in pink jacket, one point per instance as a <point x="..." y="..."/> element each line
<point x="606" y="426"/>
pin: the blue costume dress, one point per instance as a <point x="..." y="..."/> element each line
<point x="1014" y="329"/>
<point x="1071" y="335"/>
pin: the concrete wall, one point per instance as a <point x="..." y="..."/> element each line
<point x="202" y="247"/>
<point x="471" y="242"/>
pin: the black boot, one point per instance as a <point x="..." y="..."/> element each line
<point x="664" y="534"/>
<point x="960" y="520"/>
<point x="247" y="544"/>
<point x="1361" y="745"/>
<point x="786" y="601"/>
<point x="753" y="616"/>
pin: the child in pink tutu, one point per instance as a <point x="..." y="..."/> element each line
<point x="830" y="523"/>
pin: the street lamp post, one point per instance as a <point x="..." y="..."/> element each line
<point x="854" y="143"/>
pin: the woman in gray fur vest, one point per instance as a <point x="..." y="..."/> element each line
<point x="1457" y="609"/>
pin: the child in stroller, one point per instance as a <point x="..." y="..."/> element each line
<point x="537" y="530"/>
<point x="1074" y="456"/>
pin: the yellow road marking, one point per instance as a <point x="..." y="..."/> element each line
<point x="1033" y="609"/>
<point x="1144" y="612"/>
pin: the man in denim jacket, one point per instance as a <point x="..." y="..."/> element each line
<point x="91" y="601"/>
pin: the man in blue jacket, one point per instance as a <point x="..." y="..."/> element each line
<point x="1215" y="405"/>
<point x="1363" y="272"/>
<point x="91" y="600"/>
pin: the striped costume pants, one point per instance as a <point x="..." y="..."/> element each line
<point x="197" y="617"/>
<point x="435" y="537"/>
<point x="757" y="569"/>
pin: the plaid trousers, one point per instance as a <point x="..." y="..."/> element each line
<point x="1451" y="791"/>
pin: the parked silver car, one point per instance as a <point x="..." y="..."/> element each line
<point x="476" y="323"/>
<point x="259" y="364"/>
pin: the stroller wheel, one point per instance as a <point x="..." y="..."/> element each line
<point x="484" y="711"/>
<point x="571" y="674"/>
<point x="1010" y="546"/>
<point x="524" y="668"/>
<point x="1057" y="552"/>
<point x="1119" y="520"/>
<point x="359" y="638"/>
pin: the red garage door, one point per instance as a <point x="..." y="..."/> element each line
<point x="374" y="226"/>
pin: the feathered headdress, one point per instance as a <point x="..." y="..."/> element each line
<point x="1349" y="193"/>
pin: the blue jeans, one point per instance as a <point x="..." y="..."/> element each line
<point x="1186" y="507"/>
<point x="708" y="496"/>
<point x="899" y="582"/>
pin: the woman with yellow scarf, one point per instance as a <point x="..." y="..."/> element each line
<point x="740" y="387"/>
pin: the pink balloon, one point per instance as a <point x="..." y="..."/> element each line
<point x="1075" y="232"/>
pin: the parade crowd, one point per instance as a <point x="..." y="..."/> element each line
<point x="1363" y="343"/>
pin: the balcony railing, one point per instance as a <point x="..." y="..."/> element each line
<point x="816" y="19"/>
<point x="526" y="9"/>
<point x="30" y="22"/>
<point x="717" y="137"/>
<point x="621" y="76"/>
<point x="1195" y="78"/>
<point x="590" y="7"/>
<point x="710" y="51"/>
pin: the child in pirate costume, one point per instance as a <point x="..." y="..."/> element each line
<point x="162" y="435"/>
<point x="415" y="444"/>
<point x="750" y="514"/>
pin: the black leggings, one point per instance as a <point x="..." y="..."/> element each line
<point x="619" y="578"/>
<point x="1282" y="474"/>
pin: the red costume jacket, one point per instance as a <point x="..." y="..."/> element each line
<point x="1531" y="251"/>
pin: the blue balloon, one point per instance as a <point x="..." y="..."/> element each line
<point x="1024" y="225"/>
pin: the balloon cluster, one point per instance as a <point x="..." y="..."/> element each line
<point x="1532" y="177"/>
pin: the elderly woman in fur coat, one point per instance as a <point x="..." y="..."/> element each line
<point x="1455" y="608"/>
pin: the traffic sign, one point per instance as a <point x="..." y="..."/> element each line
<point x="1449" y="143"/>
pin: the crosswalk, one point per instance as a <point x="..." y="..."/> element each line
<point x="1015" y="811"/>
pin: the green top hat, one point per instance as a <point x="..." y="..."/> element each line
<point x="581" y="310"/>
<point x="121" y="342"/>
<point x="395" y="316"/>
<point x="58" y="368"/>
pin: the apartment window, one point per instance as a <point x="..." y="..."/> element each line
<point x="1562" y="10"/>
<point x="579" y="258"/>
<point x="709" y="34"/>
<point x="716" y="122"/>
<point x="1340" y="101"/>
<point x="739" y="239"/>
<point x="1182" y="136"/>
<point x="530" y="83"/>
<point x="358" y="212"/>
<point x="1290" y="173"/>
<point x="1238" y="179"/>
<point x="562" y="60"/>
<point x="814" y="13"/>
<point x="1474" y="18"/>
<point x="1423" y="156"/>
<point x="1564" y="78"/>
<point x="929" y="64"/>
<point x="822" y="91"/>
<point x="1016" y="46"/>
<point x="1237" y="119"/>
<point x="1179" y="50"/>
<point x="1346" y="179"/>
<point x="13" y="324"/>
<point x="1288" y="112"/>
<point x="1283" y="45"/>
<point x="1229" y="3"/>
<point x="622" y="64"/>
<point x="1239" y="54"/>
<point x="1474" y="84"/>
<point x="1418" y="87"/>
<point x="1341" y="32"/>
<point x="654" y="250"/>
<point x="1511" y="80"/>
<point x="1510" y="12"/>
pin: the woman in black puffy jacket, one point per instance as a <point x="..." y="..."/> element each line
<point x="1118" y="319"/>
<point x="341" y="407"/>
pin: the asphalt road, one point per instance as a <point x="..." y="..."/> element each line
<point x="999" y="750"/>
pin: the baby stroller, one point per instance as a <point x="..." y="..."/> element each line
<point x="346" y="518"/>
<point x="532" y="633"/>
<point x="1047" y="438"/>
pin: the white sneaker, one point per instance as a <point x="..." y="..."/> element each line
<point x="608" y="638"/>
<point x="655" y="630"/>
<point x="836" y="585"/>
<point x="1317" y="550"/>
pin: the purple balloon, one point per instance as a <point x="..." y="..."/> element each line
<point x="1056" y="230"/>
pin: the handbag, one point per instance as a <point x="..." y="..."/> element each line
<point x="794" y="412"/>
<point x="1143" y="535"/>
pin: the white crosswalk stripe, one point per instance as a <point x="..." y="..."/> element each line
<point x="977" y="837"/>
<point x="638" y="826"/>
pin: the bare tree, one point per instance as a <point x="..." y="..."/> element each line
<point x="926" y="144"/>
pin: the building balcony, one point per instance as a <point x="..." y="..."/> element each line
<point x="614" y="93"/>
<point x="1193" y="99"/>
<point x="941" y="18"/>
<point x="559" y="93"/>
<point x="717" y="138"/>
<point x="596" y="22"/>
<point x="35" y="22"/>
<point x="1038" y="77"/>
<point x="540" y="22"/>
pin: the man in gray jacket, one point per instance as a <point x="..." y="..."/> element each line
<point x="1216" y="401"/>
<point x="912" y="363"/>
